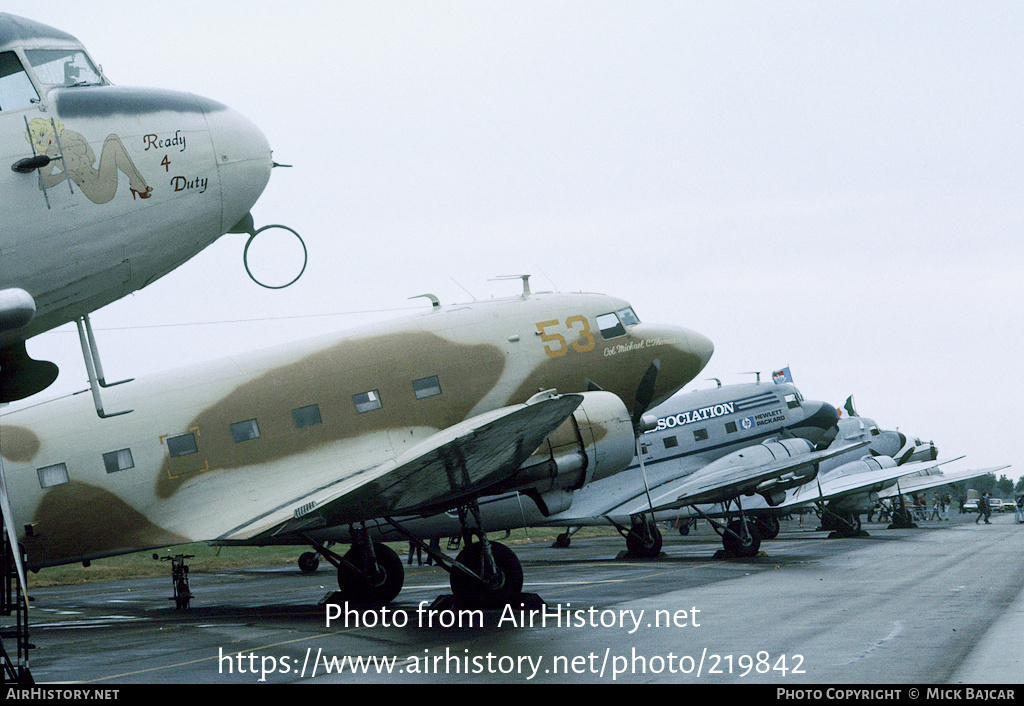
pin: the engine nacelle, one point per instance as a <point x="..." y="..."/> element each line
<point x="867" y="464"/>
<point x="765" y="452"/>
<point x="595" y="442"/>
<point x="857" y="503"/>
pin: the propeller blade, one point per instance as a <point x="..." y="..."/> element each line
<point x="645" y="392"/>
<point x="827" y="439"/>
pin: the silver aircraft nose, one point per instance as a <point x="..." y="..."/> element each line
<point x="243" y="161"/>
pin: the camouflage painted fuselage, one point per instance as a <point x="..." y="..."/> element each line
<point x="210" y="450"/>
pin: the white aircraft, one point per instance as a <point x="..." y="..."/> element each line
<point x="706" y="446"/>
<point x="922" y="480"/>
<point x="415" y="416"/>
<point x="105" y="189"/>
<point x="851" y="484"/>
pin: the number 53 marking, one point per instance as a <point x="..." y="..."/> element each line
<point x="554" y="343"/>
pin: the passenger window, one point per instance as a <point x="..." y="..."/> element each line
<point x="367" y="401"/>
<point x="307" y="416"/>
<point x="610" y="326"/>
<point x="700" y="434"/>
<point x="245" y="431"/>
<point x="182" y="445"/>
<point x="730" y="427"/>
<point x="118" y="460"/>
<point x="426" y="387"/>
<point x="671" y="442"/>
<point x="16" y="89"/>
<point x="50" y="476"/>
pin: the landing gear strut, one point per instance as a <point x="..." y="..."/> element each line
<point x="370" y="573"/>
<point x="485" y="574"/>
<point x="309" y="562"/>
<point x="496" y="578"/>
<point x="768" y="526"/>
<point x="740" y="537"/>
<point x="643" y="540"/>
<point x="563" y="540"/>
<point x="841" y="524"/>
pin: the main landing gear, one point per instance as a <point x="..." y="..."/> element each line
<point x="370" y="573"/>
<point x="484" y="575"/>
<point x="643" y="538"/>
<point x="841" y="524"/>
<point x="741" y="536"/>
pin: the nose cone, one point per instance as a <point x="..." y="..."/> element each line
<point x="682" y="354"/>
<point x="243" y="161"/>
<point x="820" y="414"/>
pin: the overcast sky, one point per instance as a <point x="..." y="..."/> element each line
<point x="836" y="187"/>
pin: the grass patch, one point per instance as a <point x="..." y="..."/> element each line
<point x="208" y="558"/>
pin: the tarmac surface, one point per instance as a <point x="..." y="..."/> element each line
<point x="943" y="603"/>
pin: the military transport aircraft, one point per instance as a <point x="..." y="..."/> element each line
<point x="105" y="189"/>
<point x="418" y="415"/>
<point x="705" y="446"/>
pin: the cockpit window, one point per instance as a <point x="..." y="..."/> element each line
<point x="16" y="89"/>
<point x="610" y="326"/>
<point x="627" y="317"/>
<point x="63" y="67"/>
<point x="614" y="324"/>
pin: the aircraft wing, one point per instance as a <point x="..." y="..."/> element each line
<point x="441" y="472"/>
<point x="831" y="488"/>
<point x="700" y="487"/>
<point x="916" y="483"/>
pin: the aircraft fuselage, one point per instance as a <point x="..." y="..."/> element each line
<point x="210" y="450"/>
<point x="105" y="188"/>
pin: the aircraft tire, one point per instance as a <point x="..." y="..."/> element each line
<point x="768" y="526"/>
<point x="563" y="540"/>
<point x="368" y="587"/>
<point x="309" y="562"/>
<point x="738" y="544"/>
<point x="646" y="547"/>
<point x="496" y="592"/>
